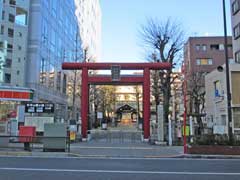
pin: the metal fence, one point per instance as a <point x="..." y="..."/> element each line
<point x="36" y="143"/>
<point x="111" y="136"/>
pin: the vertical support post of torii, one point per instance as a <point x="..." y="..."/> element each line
<point x="146" y="103"/>
<point x="84" y="103"/>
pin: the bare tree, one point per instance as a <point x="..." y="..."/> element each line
<point x="105" y="99"/>
<point x="196" y="92"/>
<point x="167" y="40"/>
<point x="138" y="96"/>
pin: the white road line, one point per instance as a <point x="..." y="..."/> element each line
<point x="106" y="147"/>
<point x="117" y="158"/>
<point x="119" y="172"/>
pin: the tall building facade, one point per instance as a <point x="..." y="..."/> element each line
<point x="204" y="54"/>
<point x="235" y="10"/>
<point x="89" y="17"/>
<point x="36" y="37"/>
<point x="52" y="35"/>
<point x="201" y="56"/>
<point x="13" y="42"/>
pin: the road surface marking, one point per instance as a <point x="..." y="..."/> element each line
<point x="105" y="147"/>
<point x="118" y="172"/>
<point x="113" y="158"/>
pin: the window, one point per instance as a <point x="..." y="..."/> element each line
<point x="221" y="47"/>
<point x="198" y="47"/>
<point x="8" y="63"/>
<point x="9" y="48"/>
<point x="237" y="57"/>
<point x="236" y="117"/>
<point x="19" y="59"/>
<point x="198" y="61"/>
<point x="235" y="7"/>
<point x="10" y="32"/>
<point x="204" y="61"/>
<point x="214" y="46"/>
<point x="217" y="89"/>
<point x="7" y="78"/>
<point x="204" y="47"/>
<point x="19" y="48"/>
<point x="210" y="62"/>
<point x="19" y="34"/>
<point x="1" y="45"/>
<point x="3" y="15"/>
<point x="11" y="18"/>
<point x="236" y="31"/>
<point x="12" y="2"/>
<point x="18" y="72"/>
<point x="2" y="29"/>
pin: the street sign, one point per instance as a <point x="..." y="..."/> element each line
<point x="99" y="115"/>
<point x="115" y="72"/>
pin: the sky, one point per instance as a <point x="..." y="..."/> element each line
<point x="122" y="19"/>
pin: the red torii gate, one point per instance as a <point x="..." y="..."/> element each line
<point x="125" y="80"/>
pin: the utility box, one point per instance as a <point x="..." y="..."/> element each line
<point x="55" y="137"/>
<point x="4" y="139"/>
<point x="26" y="134"/>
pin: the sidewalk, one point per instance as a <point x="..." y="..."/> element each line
<point x="101" y="149"/>
<point x="136" y="150"/>
<point x="113" y="150"/>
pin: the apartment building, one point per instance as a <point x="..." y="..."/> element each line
<point x="216" y="99"/>
<point x="204" y="54"/>
<point x="13" y="42"/>
<point x="235" y="11"/>
<point x="89" y="16"/>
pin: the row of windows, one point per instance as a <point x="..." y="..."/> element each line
<point x="20" y="18"/>
<point x="204" y="61"/>
<point x="10" y="31"/>
<point x="209" y="61"/>
<point x="235" y="6"/>
<point x="236" y="31"/>
<point x="11" y="2"/>
<point x="8" y="77"/>
<point x="203" y="47"/>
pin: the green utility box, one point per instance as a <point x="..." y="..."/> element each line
<point x="55" y="137"/>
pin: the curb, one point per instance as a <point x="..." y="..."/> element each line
<point x="69" y="155"/>
<point x="203" y="156"/>
<point x="17" y="153"/>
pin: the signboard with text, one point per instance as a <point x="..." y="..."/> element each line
<point x="39" y="108"/>
<point x="115" y="72"/>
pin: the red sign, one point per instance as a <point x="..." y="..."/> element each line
<point x="15" y="95"/>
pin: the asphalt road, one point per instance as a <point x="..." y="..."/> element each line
<point x="30" y="168"/>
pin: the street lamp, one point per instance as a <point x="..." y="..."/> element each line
<point x="229" y="109"/>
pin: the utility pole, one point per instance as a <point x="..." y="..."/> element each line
<point x="229" y="108"/>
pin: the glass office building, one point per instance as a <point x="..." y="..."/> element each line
<point x="53" y="30"/>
